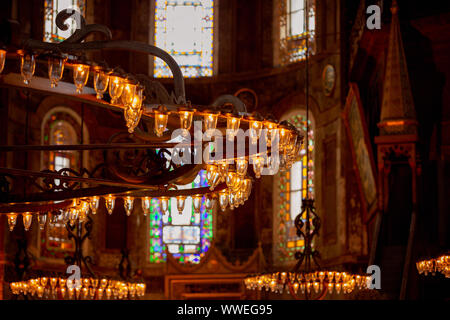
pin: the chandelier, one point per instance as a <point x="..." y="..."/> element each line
<point x="431" y="266"/>
<point x="91" y="287"/>
<point x="307" y="279"/>
<point x="60" y="288"/>
<point x="171" y="139"/>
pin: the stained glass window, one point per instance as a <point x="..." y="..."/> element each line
<point x="294" y="185"/>
<point x="186" y="236"/>
<point x="59" y="129"/>
<point x="185" y="30"/>
<point x="51" y="10"/>
<point x="297" y="21"/>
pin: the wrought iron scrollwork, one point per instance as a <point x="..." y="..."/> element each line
<point x="76" y="232"/>
<point x="307" y="230"/>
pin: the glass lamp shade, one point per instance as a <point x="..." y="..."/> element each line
<point x="186" y="117"/>
<point x="27" y="218"/>
<point x="284" y="136"/>
<point x="161" y="118"/>
<point x="132" y="118"/>
<point x="80" y="76"/>
<point x="109" y="203"/>
<point x="146" y="204"/>
<point x="55" y="70"/>
<point x="138" y="98"/>
<point x="180" y="203"/>
<point x="27" y="66"/>
<point x="257" y="166"/>
<point x="231" y="200"/>
<point x="128" y="93"/>
<point x="232" y="180"/>
<point x="210" y="121"/>
<point x="209" y="201"/>
<point x="12" y="220"/>
<point x="2" y="59"/>
<point x="94" y="202"/>
<point x="233" y="124"/>
<point x="197" y="202"/>
<point x="272" y="131"/>
<point x="101" y="81"/>
<point x="223" y="169"/>
<point x="223" y="199"/>
<point x="115" y="88"/>
<point x="241" y="166"/>
<point x="42" y="219"/>
<point x="255" y="128"/>
<point x="164" y="205"/>
<point x="73" y="216"/>
<point x="128" y="203"/>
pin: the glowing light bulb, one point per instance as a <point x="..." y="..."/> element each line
<point x="210" y="121"/>
<point x="55" y="70"/>
<point x="241" y="166"/>
<point x="284" y="136"/>
<point x="27" y="67"/>
<point x="128" y="93"/>
<point x="209" y="202"/>
<point x="186" y="116"/>
<point x="257" y="166"/>
<point x="94" y="203"/>
<point x="197" y="202"/>
<point x="161" y="117"/>
<point x="80" y="76"/>
<point x="115" y="88"/>
<point x="232" y="127"/>
<point x="110" y="201"/>
<point x="164" y="205"/>
<point x="101" y="81"/>
<point x="231" y="200"/>
<point x="223" y="199"/>
<point x="27" y="218"/>
<point x="180" y="203"/>
<point x="146" y="204"/>
<point x="12" y="220"/>
<point x="231" y="179"/>
<point x="128" y="203"/>
<point x="42" y="219"/>
<point x="255" y="128"/>
<point x="271" y="131"/>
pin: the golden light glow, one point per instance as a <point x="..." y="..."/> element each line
<point x="80" y="76"/>
<point x="85" y="289"/>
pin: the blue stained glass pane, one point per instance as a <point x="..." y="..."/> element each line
<point x="193" y="240"/>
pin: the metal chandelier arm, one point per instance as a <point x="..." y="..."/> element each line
<point x="237" y="103"/>
<point x="134" y="46"/>
<point x="73" y="45"/>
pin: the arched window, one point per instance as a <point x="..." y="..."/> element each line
<point x="185" y="30"/>
<point x="295" y="16"/>
<point x="51" y="10"/>
<point x="60" y="126"/>
<point x="187" y="236"/>
<point x="291" y="187"/>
